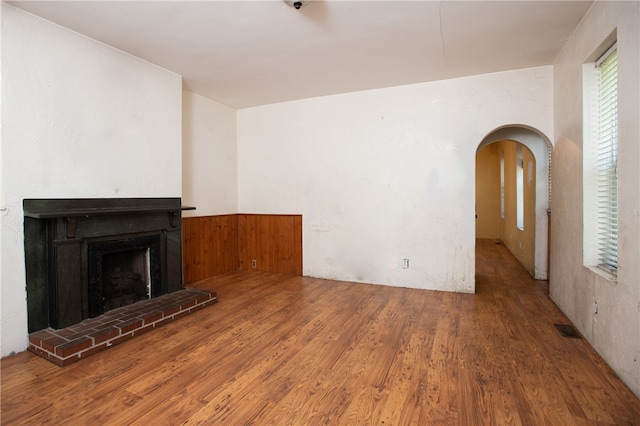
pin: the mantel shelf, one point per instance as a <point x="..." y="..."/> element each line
<point x="58" y="208"/>
<point x="102" y="211"/>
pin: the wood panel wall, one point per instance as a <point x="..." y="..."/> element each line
<point x="213" y="245"/>
<point x="273" y="241"/>
<point x="209" y="246"/>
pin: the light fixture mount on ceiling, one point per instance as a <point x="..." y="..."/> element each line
<point x="297" y="3"/>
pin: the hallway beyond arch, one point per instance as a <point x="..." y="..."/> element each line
<point x="538" y="180"/>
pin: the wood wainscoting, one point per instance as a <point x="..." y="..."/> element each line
<point x="214" y="245"/>
<point x="209" y="246"/>
<point x="273" y="241"/>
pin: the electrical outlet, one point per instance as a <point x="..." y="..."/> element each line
<point x="254" y="264"/>
<point x="405" y="264"/>
<point x="595" y="307"/>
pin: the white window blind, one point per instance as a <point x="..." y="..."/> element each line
<point x="549" y="179"/>
<point x="519" y="188"/>
<point x="607" y="160"/>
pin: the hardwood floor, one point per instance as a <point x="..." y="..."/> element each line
<point x="287" y="350"/>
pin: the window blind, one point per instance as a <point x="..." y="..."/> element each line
<point x="607" y="161"/>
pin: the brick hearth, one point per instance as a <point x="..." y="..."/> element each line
<point x="68" y="345"/>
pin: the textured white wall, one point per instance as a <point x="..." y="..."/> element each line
<point x="209" y="156"/>
<point x="385" y="174"/>
<point x="615" y="331"/>
<point x="79" y="119"/>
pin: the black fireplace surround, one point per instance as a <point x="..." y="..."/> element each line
<point x="65" y="244"/>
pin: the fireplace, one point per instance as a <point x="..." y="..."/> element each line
<point x="85" y="257"/>
<point x="122" y="271"/>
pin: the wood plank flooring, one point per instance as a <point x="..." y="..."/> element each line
<point x="282" y="350"/>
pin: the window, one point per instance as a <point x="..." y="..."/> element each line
<point x="502" y="184"/>
<point x="601" y="165"/>
<point x="519" y="188"/>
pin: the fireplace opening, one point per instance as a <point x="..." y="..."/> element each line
<point x="126" y="278"/>
<point x="123" y="270"/>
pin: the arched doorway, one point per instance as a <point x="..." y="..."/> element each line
<point x="517" y="149"/>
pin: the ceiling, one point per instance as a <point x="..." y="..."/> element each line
<point x="245" y="53"/>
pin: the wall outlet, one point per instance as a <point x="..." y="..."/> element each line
<point x="405" y="264"/>
<point x="254" y="264"/>
<point x="595" y="307"/>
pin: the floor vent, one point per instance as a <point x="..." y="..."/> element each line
<point x="567" y="330"/>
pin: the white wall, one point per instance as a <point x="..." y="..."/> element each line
<point x="79" y="119"/>
<point x="2" y="208"/>
<point x="385" y="174"/>
<point x="209" y="156"/>
<point x="615" y="331"/>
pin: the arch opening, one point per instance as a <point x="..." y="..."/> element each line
<point x="502" y="154"/>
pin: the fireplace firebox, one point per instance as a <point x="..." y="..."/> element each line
<point x="85" y="257"/>
<point x="123" y="270"/>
